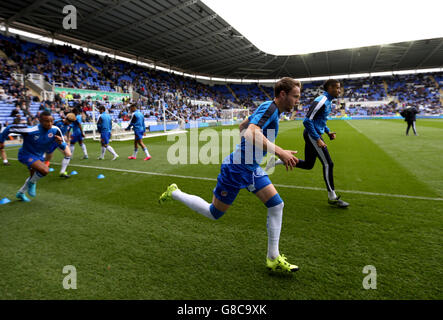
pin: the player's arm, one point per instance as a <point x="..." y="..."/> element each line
<point x="331" y="135"/>
<point x="18" y="128"/>
<point x="131" y="124"/>
<point x="99" y="124"/>
<point x="255" y="136"/>
<point x="243" y="125"/>
<point x="309" y="125"/>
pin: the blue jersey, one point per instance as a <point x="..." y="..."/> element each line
<point x="315" y="120"/>
<point x="137" y="122"/>
<point x="76" y="126"/>
<point x="104" y="123"/>
<point x="267" y="118"/>
<point x="64" y="128"/>
<point x="36" y="140"/>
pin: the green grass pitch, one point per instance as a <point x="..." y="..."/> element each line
<point x="124" y="245"/>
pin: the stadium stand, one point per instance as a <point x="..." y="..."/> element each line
<point x="186" y="98"/>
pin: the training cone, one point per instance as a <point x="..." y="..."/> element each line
<point x="73" y="173"/>
<point x="4" y="201"/>
<point x="100" y="176"/>
<point x="51" y="169"/>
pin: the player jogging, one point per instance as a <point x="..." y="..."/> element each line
<point x="78" y="134"/>
<point x="241" y="170"/>
<point x="36" y="140"/>
<point x="315" y="126"/>
<point x="139" y="127"/>
<point x="104" y="126"/>
<point x="65" y="126"/>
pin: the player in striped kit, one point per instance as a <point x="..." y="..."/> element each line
<point x="315" y="126"/>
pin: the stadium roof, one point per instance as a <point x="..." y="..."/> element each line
<point x="188" y="36"/>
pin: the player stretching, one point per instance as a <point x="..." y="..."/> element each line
<point x="138" y="123"/>
<point x="104" y="126"/>
<point x="315" y="126"/>
<point x="78" y="134"/>
<point x="36" y="140"/>
<point x="65" y="126"/>
<point x="241" y="170"/>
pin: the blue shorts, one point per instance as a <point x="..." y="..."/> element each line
<point x="234" y="177"/>
<point x="105" y="136"/>
<point x="75" y="138"/>
<point x="139" y="135"/>
<point x="28" y="159"/>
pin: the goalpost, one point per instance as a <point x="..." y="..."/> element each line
<point x="153" y="128"/>
<point x="234" y="116"/>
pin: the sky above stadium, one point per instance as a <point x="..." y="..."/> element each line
<point x="289" y="27"/>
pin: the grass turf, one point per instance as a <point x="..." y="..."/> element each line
<point x="126" y="246"/>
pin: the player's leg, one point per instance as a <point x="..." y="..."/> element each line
<point x="145" y="149"/>
<point x="134" y="155"/>
<point x="310" y="153"/>
<point x="64" y="166"/>
<point x="213" y="211"/>
<point x="272" y="200"/>
<point x="4" y="157"/>
<point x="104" y="145"/>
<point x="413" y="128"/>
<point x="48" y="158"/>
<point x="310" y="156"/>
<point x="110" y="149"/>
<point x="37" y="170"/>
<point x="72" y="145"/>
<point x="83" y="146"/>
<point x="328" y="176"/>
<point x="224" y="195"/>
<point x="409" y="127"/>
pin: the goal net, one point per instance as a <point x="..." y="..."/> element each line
<point x="234" y="116"/>
<point x="169" y="123"/>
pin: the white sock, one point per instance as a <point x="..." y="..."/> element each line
<point x="103" y="152"/>
<point x="65" y="163"/>
<point x="5" y="161"/>
<point x="332" y="195"/>
<point x="275" y="217"/>
<point x="35" y="177"/>
<point x="72" y="147"/>
<point x="25" y="186"/>
<point x="85" y="152"/>
<point x="111" y="150"/>
<point x="277" y="162"/>
<point x="135" y="153"/>
<point x="146" y="152"/>
<point x="194" y="203"/>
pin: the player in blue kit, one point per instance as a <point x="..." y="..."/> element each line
<point x="36" y="141"/>
<point x="77" y="134"/>
<point x="104" y="126"/>
<point x="241" y="170"/>
<point x="65" y="127"/>
<point x="139" y="127"/>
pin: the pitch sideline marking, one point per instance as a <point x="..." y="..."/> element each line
<point x="277" y="185"/>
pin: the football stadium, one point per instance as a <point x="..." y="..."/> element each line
<point x="130" y="127"/>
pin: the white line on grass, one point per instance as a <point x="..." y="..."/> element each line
<point x="277" y="185"/>
<point x="358" y="130"/>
